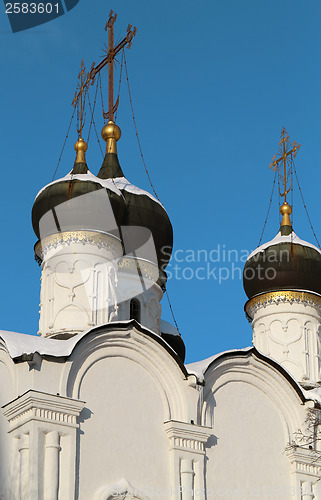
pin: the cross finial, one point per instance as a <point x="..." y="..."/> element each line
<point x="79" y="102"/>
<point x="286" y="153"/>
<point x="112" y="18"/>
<point x="110" y="58"/>
<point x="79" y="99"/>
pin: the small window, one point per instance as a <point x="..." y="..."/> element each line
<point x="135" y="310"/>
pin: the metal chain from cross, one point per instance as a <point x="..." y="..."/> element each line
<point x="110" y="58"/>
<point x="287" y="152"/>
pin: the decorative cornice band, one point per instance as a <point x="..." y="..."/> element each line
<point x="136" y="265"/>
<point x="281" y="297"/>
<point x="133" y="265"/>
<point x="101" y="240"/>
<point x="34" y="405"/>
<point x="187" y="437"/>
<point x="304" y="460"/>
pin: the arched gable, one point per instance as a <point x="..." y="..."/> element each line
<point x="259" y="371"/>
<point x="147" y="349"/>
<point x="132" y="383"/>
<point x="7" y="393"/>
<point x="120" y="491"/>
<point x="254" y="408"/>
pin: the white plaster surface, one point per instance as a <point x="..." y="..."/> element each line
<point x="143" y="422"/>
<point x="289" y="333"/>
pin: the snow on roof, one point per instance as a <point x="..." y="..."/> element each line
<point x="19" y="344"/>
<point x="124" y="184"/>
<point x="89" y="177"/>
<point x="199" y="367"/>
<point x="313" y="394"/>
<point x="290" y="238"/>
<point x="168" y="328"/>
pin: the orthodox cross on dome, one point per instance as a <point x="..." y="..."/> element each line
<point x="79" y="99"/>
<point x="287" y="152"/>
<point x="110" y="58"/>
<point x="79" y="102"/>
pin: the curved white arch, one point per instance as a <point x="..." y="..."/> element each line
<point x="262" y="376"/>
<point x="7" y="361"/>
<point x="122" y="490"/>
<point x="139" y="348"/>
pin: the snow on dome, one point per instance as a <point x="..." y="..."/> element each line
<point x="290" y="238"/>
<point x="89" y="177"/>
<point x="168" y="328"/>
<point x="123" y="183"/>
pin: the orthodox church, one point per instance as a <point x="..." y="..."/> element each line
<point x="100" y="404"/>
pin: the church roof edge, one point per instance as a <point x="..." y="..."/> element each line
<point x="22" y="346"/>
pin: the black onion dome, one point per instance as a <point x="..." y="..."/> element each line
<point x="284" y="263"/>
<point x="142" y="211"/>
<point x="79" y="201"/>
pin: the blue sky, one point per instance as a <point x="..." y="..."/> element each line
<point x="213" y="84"/>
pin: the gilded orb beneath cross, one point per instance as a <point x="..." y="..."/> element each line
<point x="111" y="131"/>
<point x="81" y="145"/>
<point x="285" y="209"/>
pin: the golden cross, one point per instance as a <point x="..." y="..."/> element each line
<point x="287" y="152"/>
<point x="82" y="87"/>
<point x="109" y="59"/>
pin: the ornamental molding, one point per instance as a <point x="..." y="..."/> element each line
<point x="43" y="407"/>
<point x="67" y="238"/>
<point x="139" y="267"/>
<point x="144" y="348"/>
<point x="260" y="374"/>
<point x="304" y="460"/>
<point x="282" y="297"/>
<point x="122" y="490"/>
<point x="187" y="437"/>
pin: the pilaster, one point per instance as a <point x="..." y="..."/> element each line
<point x="44" y="426"/>
<point x="187" y="452"/>
<point x="306" y="472"/>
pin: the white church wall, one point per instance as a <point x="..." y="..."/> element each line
<point x="124" y="420"/>
<point x="41" y="374"/>
<point x="288" y="330"/>
<point x="121" y="411"/>
<point x="131" y="386"/>
<point x="144" y="349"/>
<point x="7" y="391"/>
<point x="78" y="281"/>
<point x="255" y="413"/>
<point x="142" y="286"/>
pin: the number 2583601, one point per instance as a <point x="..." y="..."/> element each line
<point x="32" y="8"/>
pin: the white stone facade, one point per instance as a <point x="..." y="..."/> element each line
<point x="286" y="327"/>
<point x="121" y="417"/>
<point x="100" y="406"/>
<point x="86" y="281"/>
